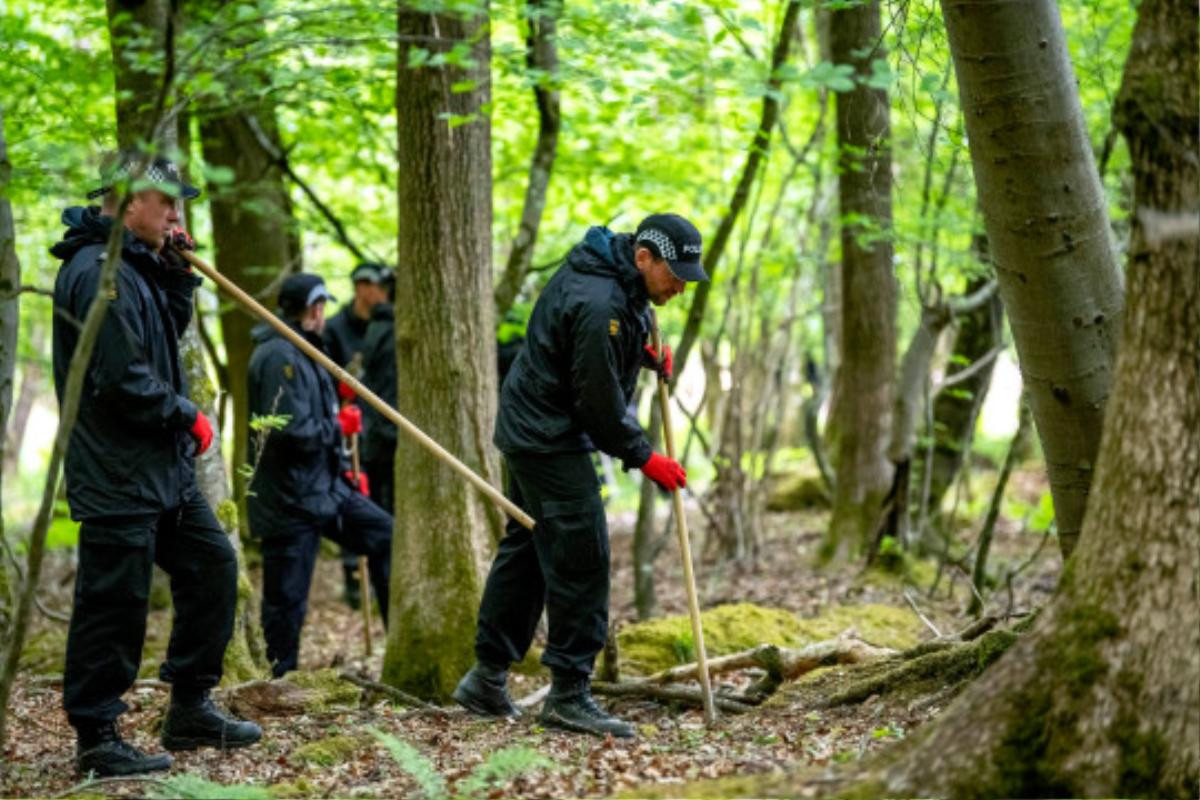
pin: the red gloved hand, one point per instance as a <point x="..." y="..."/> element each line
<point x="350" y="418"/>
<point x="181" y="240"/>
<point x="364" y="488"/>
<point x="345" y="392"/>
<point x="665" y="367"/>
<point x="202" y="432"/>
<point x="666" y="472"/>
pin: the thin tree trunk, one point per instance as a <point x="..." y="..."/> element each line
<point x="15" y="640"/>
<point x="955" y="412"/>
<point x="1044" y="210"/>
<point x="1102" y="698"/>
<point x="741" y="193"/>
<point x="865" y="380"/>
<point x="445" y="343"/>
<point x="541" y="55"/>
<point x="10" y="321"/>
<point x="645" y="596"/>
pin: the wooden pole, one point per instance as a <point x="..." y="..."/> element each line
<point x="685" y="548"/>
<point x="362" y="391"/>
<point x="364" y="578"/>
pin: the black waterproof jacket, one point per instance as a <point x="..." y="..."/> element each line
<point x="570" y="387"/>
<point x="299" y="473"/>
<point x="130" y="451"/>
<point x="345" y="333"/>
<point x="379" y="374"/>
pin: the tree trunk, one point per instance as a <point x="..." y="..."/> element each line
<point x="956" y="410"/>
<point x="446" y="345"/>
<point x="142" y="34"/>
<point x="864" y="381"/>
<point x="1044" y="210"/>
<point x="1102" y="698"/>
<point x="252" y="233"/>
<point x="541" y="54"/>
<point x="10" y="320"/>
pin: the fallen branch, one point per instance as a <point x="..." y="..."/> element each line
<point x="392" y="692"/>
<point x="670" y="694"/>
<point x="784" y="664"/>
<point x="533" y="698"/>
<point x="79" y="788"/>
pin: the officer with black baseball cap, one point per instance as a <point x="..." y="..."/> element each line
<point x="303" y="487"/>
<point x="567" y="394"/>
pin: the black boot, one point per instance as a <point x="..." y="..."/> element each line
<point x="570" y="706"/>
<point x="199" y="723"/>
<point x="102" y="752"/>
<point x="484" y="691"/>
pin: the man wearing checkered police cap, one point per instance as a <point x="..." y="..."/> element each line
<point x="568" y="393"/>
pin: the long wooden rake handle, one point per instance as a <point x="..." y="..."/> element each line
<point x="362" y="391"/>
<point x="685" y="547"/>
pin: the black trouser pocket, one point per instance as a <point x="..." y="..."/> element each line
<point x="576" y="533"/>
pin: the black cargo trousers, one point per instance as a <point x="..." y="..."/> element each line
<point x="561" y="566"/>
<point x="112" y="595"/>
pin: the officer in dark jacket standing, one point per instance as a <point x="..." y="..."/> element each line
<point x="130" y="480"/>
<point x="345" y="337"/>
<point x="378" y="441"/>
<point x="302" y="486"/>
<point x="568" y="393"/>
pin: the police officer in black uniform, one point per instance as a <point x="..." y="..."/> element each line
<point x="378" y="441"/>
<point x="345" y="336"/>
<point x="567" y="394"/>
<point x="302" y="486"/>
<point x="131" y="482"/>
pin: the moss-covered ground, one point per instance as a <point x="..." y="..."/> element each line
<point x="322" y="746"/>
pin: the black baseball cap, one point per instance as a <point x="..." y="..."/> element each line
<point x="372" y="272"/>
<point x="301" y="290"/>
<point x="162" y="173"/>
<point x="673" y="238"/>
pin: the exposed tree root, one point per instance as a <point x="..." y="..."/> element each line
<point x="778" y="664"/>
<point x="670" y="694"/>
<point x="945" y="662"/>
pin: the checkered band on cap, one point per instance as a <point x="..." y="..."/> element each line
<point x="666" y="247"/>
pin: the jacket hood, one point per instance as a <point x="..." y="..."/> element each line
<point x="85" y="226"/>
<point x="603" y="252"/>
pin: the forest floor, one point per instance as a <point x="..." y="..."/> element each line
<point x="328" y="751"/>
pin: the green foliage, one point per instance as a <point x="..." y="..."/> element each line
<point x="499" y="767"/>
<point x="193" y="787"/>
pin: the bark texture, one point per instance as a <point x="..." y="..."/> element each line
<point x="142" y="36"/>
<point x="1047" y="225"/>
<point x="865" y="379"/>
<point x="445" y="344"/>
<point x="541" y="57"/>
<point x="1102" y="698"/>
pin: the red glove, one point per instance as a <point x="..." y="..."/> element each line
<point x="179" y="239"/>
<point x="350" y="418"/>
<point x="363" y="487"/>
<point x="664" y="367"/>
<point x="345" y="392"/>
<point x="666" y="472"/>
<point x="202" y="432"/>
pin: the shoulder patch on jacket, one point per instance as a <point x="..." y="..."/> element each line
<point x="288" y="372"/>
<point x="613" y="327"/>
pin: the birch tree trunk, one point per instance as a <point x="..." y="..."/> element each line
<point x="1047" y="226"/>
<point x="445" y="344"/>
<point x="1102" y="698"/>
<point x="865" y="378"/>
